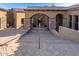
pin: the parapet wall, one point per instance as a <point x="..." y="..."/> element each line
<point x="67" y="33"/>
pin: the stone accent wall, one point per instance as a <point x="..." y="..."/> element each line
<point x="52" y="23"/>
<point x="51" y="15"/>
<point x="27" y="24"/>
<point x="10" y="18"/>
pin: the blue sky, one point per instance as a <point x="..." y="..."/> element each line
<point x="24" y="5"/>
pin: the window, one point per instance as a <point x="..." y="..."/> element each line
<point x="70" y="21"/>
<point x="76" y="22"/>
<point x="22" y="21"/>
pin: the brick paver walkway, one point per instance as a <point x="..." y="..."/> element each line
<point x="50" y="45"/>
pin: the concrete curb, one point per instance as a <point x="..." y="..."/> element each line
<point x="25" y="33"/>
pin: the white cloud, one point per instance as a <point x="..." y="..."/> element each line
<point x="64" y="4"/>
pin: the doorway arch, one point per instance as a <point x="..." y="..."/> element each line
<point x="41" y="18"/>
<point x="59" y="21"/>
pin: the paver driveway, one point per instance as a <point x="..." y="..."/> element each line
<point x="50" y="45"/>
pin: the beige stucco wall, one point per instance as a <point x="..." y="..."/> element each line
<point x="19" y="16"/>
<point x="70" y="34"/>
<point x="3" y="19"/>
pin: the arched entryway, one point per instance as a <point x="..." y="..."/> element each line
<point x="43" y="19"/>
<point x="59" y="21"/>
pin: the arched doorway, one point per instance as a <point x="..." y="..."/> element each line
<point x="39" y="18"/>
<point x="59" y="21"/>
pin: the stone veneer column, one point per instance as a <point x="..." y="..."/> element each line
<point x="65" y="24"/>
<point x="78" y="22"/>
<point x="68" y="18"/>
<point x="52" y="23"/>
<point x="73" y="21"/>
<point x="27" y="23"/>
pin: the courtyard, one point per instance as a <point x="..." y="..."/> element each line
<point x="50" y="45"/>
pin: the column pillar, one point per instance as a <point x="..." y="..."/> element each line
<point x="67" y="22"/>
<point x="52" y="23"/>
<point x="73" y="18"/>
<point x="27" y="23"/>
<point x="78" y="22"/>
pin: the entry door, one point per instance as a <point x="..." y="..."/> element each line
<point x="76" y="22"/>
<point x="59" y="21"/>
